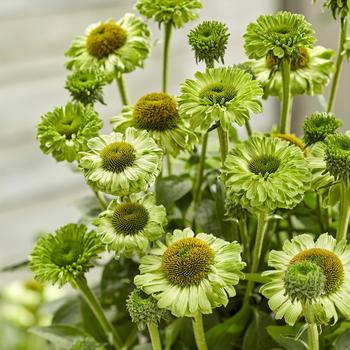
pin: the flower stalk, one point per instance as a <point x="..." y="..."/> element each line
<point x="344" y="212"/>
<point x="154" y="334"/>
<point x="112" y="335"/>
<point x="344" y="22"/>
<point x="286" y="97"/>
<point x="122" y="89"/>
<point x="312" y="329"/>
<point x="200" y="170"/>
<point x="167" y="37"/>
<point x="198" y="330"/>
<point x="223" y="143"/>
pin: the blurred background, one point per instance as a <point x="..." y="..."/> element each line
<point x="36" y="193"/>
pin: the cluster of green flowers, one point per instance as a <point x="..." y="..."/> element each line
<point x="184" y="271"/>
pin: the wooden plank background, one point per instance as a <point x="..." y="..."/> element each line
<point x="36" y="193"/>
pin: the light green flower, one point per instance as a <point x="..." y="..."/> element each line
<point x="339" y="8"/>
<point x="208" y="41"/>
<point x="305" y="270"/>
<point x="111" y="46"/>
<point x="281" y="35"/>
<point x="143" y="309"/>
<point x="176" y="12"/>
<point x="337" y="156"/>
<point x="158" y="114"/>
<point x="318" y="126"/>
<point x="265" y="173"/>
<point x="226" y="94"/>
<point x="131" y="222"/>
<point x="86" y="86"/>
<point x="191" y="273"/>
<point x="64" y="132"/>
<point x="65" y="256"/>
<point x="121" y="164"/>
<point x="310" y="72"/>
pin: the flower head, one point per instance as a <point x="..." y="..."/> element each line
<point x="228" y="95"/>
<point x="337" y="156"/>
<point x="264" y="173"/>
<point x="86" y="86"/>
<point x="65" y="256"/>
<point x="282" y="35"/>
<point x="308" y="271"/>
<point x="208" y="41"/>
<point x="111" y="46"/>
<point x="176" y="12"/>
<point x="64" y="132"/>
<point x="191" y="273"/>
<point x="143" y="309"/>
<point x="131" y="222"/>
<point x="339" y="8"/>
<point x="121" y="164"/>
<point x="158" y="114"/>
<point x="318" y="126"/>
<point x="310" y="72"/>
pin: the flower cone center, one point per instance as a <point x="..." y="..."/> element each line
<point x="66" y="253"/>
<point x="117" y="156"/>
<point x="130" y="218"/>
<point x="105" y="39"/>
<point x="219" y="93"/>
<point x="68" y="126"/>
<point x="264" y="164"/>
<point x="156" y="111"/>
<point x="329" y="263"/>
<point x="187" y="261"/>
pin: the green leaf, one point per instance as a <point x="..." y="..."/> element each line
<point x="62" y="336"/>
<point x="69" y="312"/>
<point x="256" y="336"/>
<point x="205" y="216"/>
<point x="172" y="331"/>
<point x="256" y="277"/>
<point x="171" y="189"/>
<point x="287" y="336"/>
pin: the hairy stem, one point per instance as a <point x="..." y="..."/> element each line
<point x="223" y="143"/>
<point x="122" y="89"/>
<point x="101" y="199"/>
<point x="96" y="308"/>
<point x="312" y="330"/>
<point x="286" y="98"/>
<point x="154" y="334"/>
<point x="198" y="330"/>
<point x="167" y="36"/>
<point x="338" y="65"/>
<point x="248" y="127"/>
<point x="259" y="240"/>
<point x="344" y="212"/>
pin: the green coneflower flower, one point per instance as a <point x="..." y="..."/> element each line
<point x="308" y="271"/>
<point x="176" y="12"/>
<point x="158" y="114"/>
<point x="264" y="173"/>
<point x="64" y="132"/>
<point x="208" y="41"/>
<point x="121" y="164"/>
<point x="310" y="72"/>
<point x="278" y="36"/>
<point x="293" y="140"/>
<point x="143" y="309"/>
<point x="86" y="86"/>
<point x="64" y="257"/>
<point x="337" y="156"/>
<point x="131" y="222"/>
<point x="228" y="95"/>
<point x="191" y="273"/>
<point x="319" y="125"/>
<point x="111" y="46"/>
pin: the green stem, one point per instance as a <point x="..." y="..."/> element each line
<point x="167" y="36"/>
<point x="321" y="213"/>
<point x="338" y="65"/>
<point x="101" y="199"/>
<point x="223" y="143"/>
<point x="200" y="170"/>
<point x="96" y="308"/>
<point x="261" y="230"/>
<point x="312" y="329"/>
<point x="344" y="212"/>
<point x="286" y="98"/>
<point x="169" y="165"/>
<point x="248" y="128"/>
<point x="198" y="330"/>
<point x="154" y="334"/>
<point x="244" y="238"/>
<point x="122" y="89"/>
